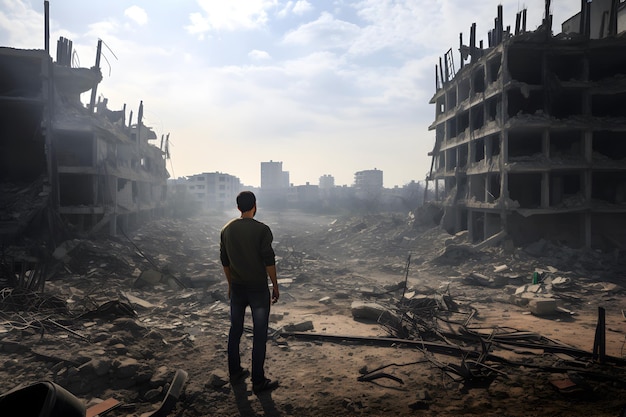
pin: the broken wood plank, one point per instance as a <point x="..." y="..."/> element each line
<point x="102" y="408"/>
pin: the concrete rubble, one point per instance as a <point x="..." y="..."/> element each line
<point x="127" y="341"/>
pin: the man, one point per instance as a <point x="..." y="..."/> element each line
<point x="248" y="259"/>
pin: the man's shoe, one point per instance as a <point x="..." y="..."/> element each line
<point x="266" y="385"/>
<point x="239" y="376"/>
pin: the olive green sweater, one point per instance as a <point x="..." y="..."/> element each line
<point x="246" y="248"/>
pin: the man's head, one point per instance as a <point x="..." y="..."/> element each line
<point x="246" y="201"/>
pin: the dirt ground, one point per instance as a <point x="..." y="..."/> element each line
<point x="82" y="335"/>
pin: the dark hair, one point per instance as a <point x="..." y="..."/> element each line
<point x="245" y="201"/>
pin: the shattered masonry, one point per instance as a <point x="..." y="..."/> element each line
<point x="531" y="132"/>
<point x="65" y="164"/>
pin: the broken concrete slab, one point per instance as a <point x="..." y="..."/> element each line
<point x="217" y="379"/>
<point x="475" y="278"/>
<point x="371" y="311"/>
<point x="299" y="327"/>
<point x="136" y="301"/>
<point x="325" y="300"/>
<point x="148" y="277"/>
<point x="542" y="306"/>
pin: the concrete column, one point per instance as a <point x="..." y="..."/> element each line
<point x="459" y="220"/>
<point x="113" y="225"/>
<point x="588" y="146"/>
<point x="504" y="152"/>
<point x="587" y="229"/>
<point x="545" y="189"/>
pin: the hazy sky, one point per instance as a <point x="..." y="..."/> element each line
<point x="325" y="86"/>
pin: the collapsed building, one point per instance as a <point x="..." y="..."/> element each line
<point x="64" y="166"/>
<point x="530" y="132"/>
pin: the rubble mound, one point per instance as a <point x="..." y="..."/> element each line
<point x="379" y="315"/>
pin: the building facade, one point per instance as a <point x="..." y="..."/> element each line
<point x="213" y="191"/>
<point x="274" y="185"/>
<point x="88" y="166"/>
<point x="530" y="135"/>
<point x="369" y="181"/>
<point x="326" y="182"/>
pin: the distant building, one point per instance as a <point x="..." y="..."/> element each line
<point x="273" y="176"/>
<point x="304" y="195"/>
<point x="369" y="181"/>
<point x="214" y="190"/>
<point x="327" y="182"/>
<point x="274" y="184"/>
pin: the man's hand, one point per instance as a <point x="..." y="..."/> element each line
<point x="227" y="274"/>
<point x="275" y="294"/>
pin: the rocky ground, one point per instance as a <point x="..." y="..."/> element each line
<point x="121" y="315"/>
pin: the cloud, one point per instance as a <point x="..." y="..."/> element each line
<point x="259" y="55"/>
<point x="199" y="25"/>
<point x="301" y="7"/>
<point x="137" y="14"/>
<point x="324" y="33"/>
<point x="297" y="8"/>
<point x="20" y="25"/>
<point x="230" y="15"/>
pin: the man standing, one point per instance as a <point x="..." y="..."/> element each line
<point x="248" y="259"/>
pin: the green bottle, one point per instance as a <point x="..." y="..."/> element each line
<point x="535" y="277"/>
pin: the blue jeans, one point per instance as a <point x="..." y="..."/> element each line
<point x="259" y="301"/>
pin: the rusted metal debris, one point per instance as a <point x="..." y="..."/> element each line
<point x="173" y="393"/>
<point x="438" y="325"/>
<point x="376" y="374"/>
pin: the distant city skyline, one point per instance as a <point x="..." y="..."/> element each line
<point x="316" y="182"/>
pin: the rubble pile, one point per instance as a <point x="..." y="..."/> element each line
<point x="375" y="318"/>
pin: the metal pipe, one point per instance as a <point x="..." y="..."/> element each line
<point x="94" y="89"/>
<point x="46" y="38"/>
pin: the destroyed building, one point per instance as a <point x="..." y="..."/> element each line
<point x="530" y="132"/>
<point x="66" y="166"/>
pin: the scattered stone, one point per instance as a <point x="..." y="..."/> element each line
<point x="98" y="366"/>
<point x="299" y="327"/>
<point x="120" y="348"/>
<point x="126" y="367"/>
<point x="325" y="300"/>
<point x="136" y="301"/>
<point x="542" y="306"/>
<point x="217" y="379"/>
<point x="276" y="317"/>
<point x="371" y="311"/>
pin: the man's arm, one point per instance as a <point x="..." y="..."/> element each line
<point x="227" y="273"/>
<point x="271" y="271"/>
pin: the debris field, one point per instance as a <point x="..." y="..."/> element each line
<point x="379" y="315"/>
